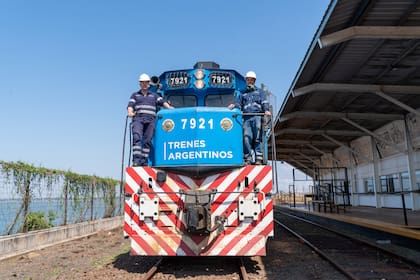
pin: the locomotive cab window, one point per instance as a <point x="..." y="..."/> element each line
<point x="220" y="100"/>
<point x="181" y="101"/>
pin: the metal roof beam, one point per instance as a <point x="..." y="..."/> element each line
<point x="294" y="150"/>
<point x="316" y="149"/>
<point x="301" y="160"/>
<point x="398" y="103"/>
<point x="353" y="151"/>
<point x="308" y="158"/>
<point x="369" y="32"/>
<point x="358" y="88"/>
<point x="339" y="115"/>
<point x="284" y="157"/>
<point x="350" y="133"/>
<point x="301" y="164"/>
<point x="322" y="152"/>
<point x="374" y="135"/>
<point x="355" y="88"/>
<point x="303" y="142"/>
<point x="306" y="170"/>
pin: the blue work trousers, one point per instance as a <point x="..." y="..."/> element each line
<point x="142" y="130"/>
<point x="252" y="139"/>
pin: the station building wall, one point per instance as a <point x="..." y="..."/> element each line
<point x="383" y="173"/>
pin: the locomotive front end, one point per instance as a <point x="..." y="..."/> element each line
<point x="196" y="197"/>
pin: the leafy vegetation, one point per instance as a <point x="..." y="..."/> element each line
<point x="37" y="220"/>
<point x="81" y="190"/>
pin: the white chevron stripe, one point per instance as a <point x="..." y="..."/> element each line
<point x="229" y="238"/>
<point x="172" y="184"/>
<point x="231" y="178"/>
<point x="137" y="248"/>
<point x="234" y="196"/>
<point x="207" y="182"/>
<point x="156" y="231"/>
<point x="188" y="181"/>
<point x="238" y="246"/>
<point x="261" y="226"/>
<point x="131" y="183"/>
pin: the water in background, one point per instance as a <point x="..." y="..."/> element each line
<point x="10" y="208"/>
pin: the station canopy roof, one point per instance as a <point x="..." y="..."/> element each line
<point x="361" y="71"/>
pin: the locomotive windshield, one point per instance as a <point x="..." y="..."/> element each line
<point x="201" y="87"/>
<point x="219" y="100"/>
<point x="180" y="100"/>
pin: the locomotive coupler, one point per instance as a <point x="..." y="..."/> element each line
<point x="198" y="211"/>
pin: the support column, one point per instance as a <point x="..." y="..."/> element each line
<point x="353" y="186"/>
<point x="411" y="167"/>
<point x="376" y="179"/>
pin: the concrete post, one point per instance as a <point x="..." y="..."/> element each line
<point x="376" y="179"/>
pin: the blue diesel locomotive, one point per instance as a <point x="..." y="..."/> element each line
<point x="197" y="197"/>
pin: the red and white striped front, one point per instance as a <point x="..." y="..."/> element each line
<point x="155" y="218"/>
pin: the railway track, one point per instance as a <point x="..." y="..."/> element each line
<point x="190" y="266"/>
<point x="353" y="258"/>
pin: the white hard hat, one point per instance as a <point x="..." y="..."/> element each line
<point x="251" y="74"/>
<point x="144" y="78"/>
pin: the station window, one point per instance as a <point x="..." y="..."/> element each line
<point x="398" y="182"/>
<point x="368" y="184"/>
<point x="417" y="180"/>
<point x="384" y="184"/>
<point x="390" y="183"/>
<point x="405" y="181"/>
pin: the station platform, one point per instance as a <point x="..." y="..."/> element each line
<point x="388" y="220"/>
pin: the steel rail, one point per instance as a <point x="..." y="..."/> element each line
<point x="149" y="274"/>
<point x="361" y="241"/>
<point x="242" y="270"/>
<point x="318" y="251"/>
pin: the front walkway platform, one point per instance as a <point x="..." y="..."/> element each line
<point x="383" y="219"/>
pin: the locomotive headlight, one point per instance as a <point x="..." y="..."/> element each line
<point x="199" y="84"/>
<point x="199" y="74"/>
<point x="168" y="125"/>
<point x="226" y="124"/>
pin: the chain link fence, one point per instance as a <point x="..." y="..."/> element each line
<point x="35" y="197"/>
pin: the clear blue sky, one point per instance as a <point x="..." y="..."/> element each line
<point x="67" y="68"/>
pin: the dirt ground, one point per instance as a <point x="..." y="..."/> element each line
<point x="105" y="256"/>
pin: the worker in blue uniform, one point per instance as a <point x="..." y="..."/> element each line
<point x="142" y="107"/>
<point x="254" y="104"/>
